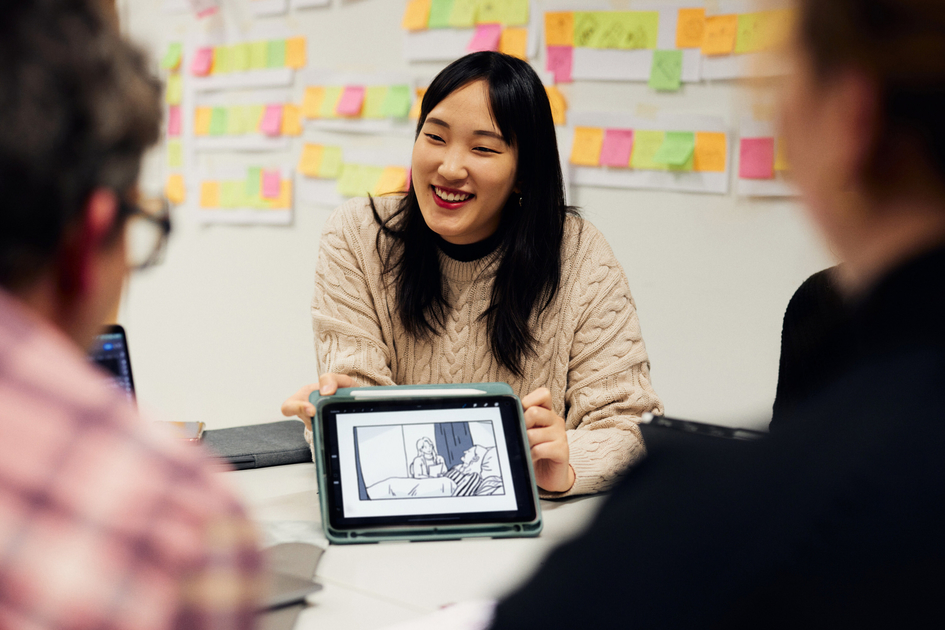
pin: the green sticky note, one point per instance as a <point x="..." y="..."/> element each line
<point x="349" y="182"/>
<point x="218" y="121"/>
<point x="374" y="97"/>
<point x="641" y="29"/>
<point x="172" y="56"/>
<point x="332" y="94"/>
<point x="254" y="114"/>
<point x="231" y="194"/>
<point x="440" y="11"/>
<point x="330" y="168"/>
<point x="222" y="64"/>
<point x="397" y="102"/>
<point x="175" y="154"/>
<point x="645" y="146"/>
<point x="254" y="182"/>
<point x="258" y="55"/>
<point x="666" y="71"/>
<point x="370" y="175"/>
<point x="174" y="91"/>
<point x="276" y="54"/>
<point x="234" y="121"/>
<point x="464" y="13"/>
<point x="514" y="12"/>
<point x="239" y="57"/>
<point x="677" y="148"/>
<point x="587" y="26"/>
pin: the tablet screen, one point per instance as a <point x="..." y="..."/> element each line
<point x="442" y="461"/>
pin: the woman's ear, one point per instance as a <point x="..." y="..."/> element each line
<point x="855" y="111"/>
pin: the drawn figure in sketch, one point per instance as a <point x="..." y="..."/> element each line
<point x="478" y="475"/>
<point x="427" y="463"/>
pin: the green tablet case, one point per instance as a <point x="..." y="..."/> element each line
<point x="419" y="532"/>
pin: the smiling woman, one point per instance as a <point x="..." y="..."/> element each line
<point x="483" y="273"/>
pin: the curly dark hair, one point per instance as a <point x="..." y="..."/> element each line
<point x="78" y="108"/>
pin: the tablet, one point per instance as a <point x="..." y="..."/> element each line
<point x="424" y="463"/>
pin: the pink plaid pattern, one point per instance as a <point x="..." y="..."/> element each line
<point x="104" y="521"/>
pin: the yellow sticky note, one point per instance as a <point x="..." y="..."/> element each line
<point x="175" y="154"/>
<point x="690" y="28"/>
<point x="514" y="42"/>
<point x="254" y="116"/>
<point x="239" y="57"/>
<point x="210" y="195"/>
<point x="711" y="152"/>
<point x="284" y="200"/>
<point x="330" y="102"/>
<point x="312" y="101"/>
<point x="512" y="12"/>
<point x="645" y="146"/>
<point x="221" y="60"/>
<point x="416" y="15"/>
<point x="414" y="113"/>
<point x="393" y="180"/>
<point x="295" y="52"/>
<point x="202" y="117"/>
<point x="719" y="36"/>
<point x="587" y="145"/>
<point x="291" y="120"/>
<point x="780" y="155"/>
<point x="763" y="30"/>
<point x="559" y="107"/>
<point x="330" y="166"/>
<point x="258" y="55"/>
<point x="310" y="160"/>
<point x="559" y="28"/>
<point x="174" y="91"/>
<point x="464" y="13"/>
<point x="174" y="189"/>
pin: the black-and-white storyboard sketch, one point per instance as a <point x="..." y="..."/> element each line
<point x="447" y="459"/>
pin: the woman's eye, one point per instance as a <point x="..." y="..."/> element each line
<point x="434" y="137"/>
<point x="485" y="150"/>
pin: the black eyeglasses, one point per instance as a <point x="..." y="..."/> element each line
<point x="146" y="233"/>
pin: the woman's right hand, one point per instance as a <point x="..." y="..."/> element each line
<point x="298" y="404"/>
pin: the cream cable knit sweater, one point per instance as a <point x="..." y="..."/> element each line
<point x="590" y="352"/>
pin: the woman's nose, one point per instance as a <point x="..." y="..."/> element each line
<point x="452" y="167"/>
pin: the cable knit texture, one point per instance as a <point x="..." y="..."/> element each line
<point x="589" y="350"/>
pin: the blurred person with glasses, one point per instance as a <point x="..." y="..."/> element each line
<point x="107" y="522"/>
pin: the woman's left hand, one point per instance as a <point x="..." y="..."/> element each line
<point x="549" y="442"/>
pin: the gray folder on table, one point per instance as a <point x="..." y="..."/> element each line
<point x="260" y="445"/>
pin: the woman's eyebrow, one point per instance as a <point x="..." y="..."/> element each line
<point x="478" y="132"/>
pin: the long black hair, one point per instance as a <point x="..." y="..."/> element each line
<point x="532" y="222"/>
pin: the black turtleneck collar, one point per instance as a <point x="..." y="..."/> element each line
<point x="472" y="251"/>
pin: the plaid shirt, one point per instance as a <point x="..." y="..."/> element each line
<point x="105" y="522"/>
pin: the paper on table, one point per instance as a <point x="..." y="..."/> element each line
<point x="690" y="28"/>
<point x="711" y="153"/>
<point x="295" y="52"/>
<point x="174" y="91"/>
<point x="202" y="116"/>
<point x="645" y="146"/>
<point x="218" y="121"/>
<point x="172" y="57"/>
<point x="616" y="149"/>
<point x="677" y="148"/>
<point x="310" y="159"/>
<point x="486" y="37"/>
<point x="210" y="195"/>
<point x="464" y="13"/>
<point x="560" y="60"/>
<point x="514" y="42"/>
<point x="203" y="60"/>
<point x="275" y="55"/>
<point x="330" y="102"/>
<point x="351" y="101"/>
<point x="559" y="107"/>
<point x="756" y="158"/>
<point x="272" y="120"/>
<point x="397" y="102"/>
<point x="258" y="55"/>
<point x="291" y="120"/>
<point x="239" y="57"/>
<point x="416" y="15"/>
<point x="585" y="151"/>
<point x="666" y="72"/>
<point x="174" y="189"/>
<point x="559" y="28"/>
<point x="440" y="11"/>
<point x="374" y="97"/>
<point x="175" y="154"/>
<point x="330" y="167"/>
<point x="312" y="101"/>
<point x="173" y="120"/>
<point x="270" y="184"/>
<point x="393" y="180"/>
<point x="720" y="34"/>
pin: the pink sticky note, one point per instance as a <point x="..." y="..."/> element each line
<point x="271" y="124"/>
<point x="203" y="60"/>
<point x="757" y="158"/>
<point x="270" y="184"/>
<point x="173" y="120"/>
<point x="486" y="37"/>
<point x="618" y="143"/>
<point x="351" y="100"/>
<point x="559" y="62"/>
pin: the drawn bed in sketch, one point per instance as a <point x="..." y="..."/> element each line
<point x="411" y="461"/>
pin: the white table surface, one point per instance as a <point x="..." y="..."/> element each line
<point x="376" y="585"/>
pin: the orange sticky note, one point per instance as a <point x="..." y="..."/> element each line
<point x="690" y="28"/>
<point x="291" y="120"/>
<point x="282" y="201"/>
<point x="310" y="160"/>
<point x="415" y="108"/>
<point x="417" y="15"/>
<point x="559" y="28"/>
<point x="210" y="195"/>
<point x="588" y="142"/>
<point x="711" y="152"/>
<point x="719" y="36"/>
<point x="202" y="117"/>
<point x="312" y="101"/>
<point x="514" y="42"/>
<point x="780" y="156"/>
<point x="295" y="52"/>
<point x="559" y="107"/>
<point x="393" y="180"/>
<point x="174" y="189"/>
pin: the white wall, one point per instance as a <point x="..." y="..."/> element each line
<point x="221" y="332"/>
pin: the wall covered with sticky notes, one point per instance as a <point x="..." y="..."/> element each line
<point x="272" y="120"/>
